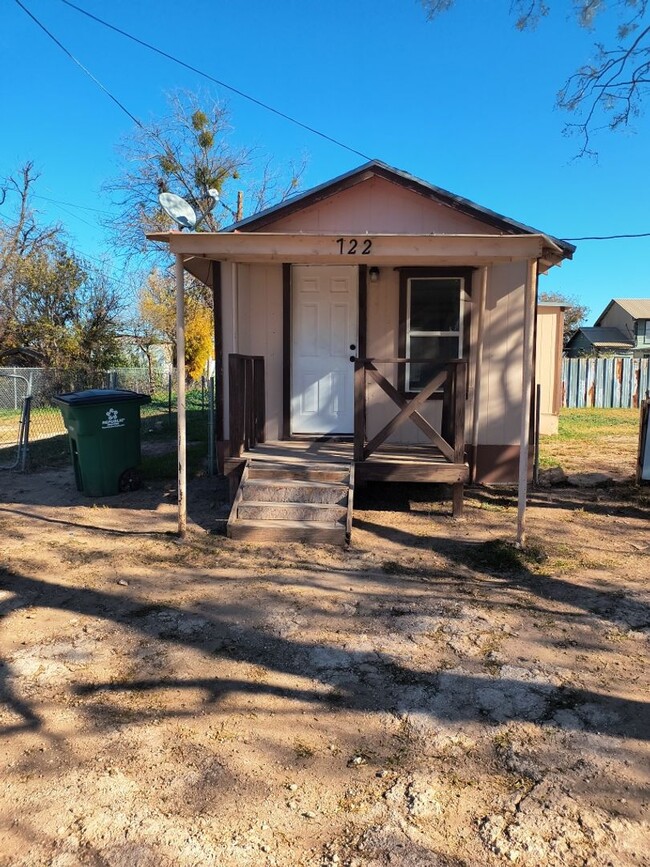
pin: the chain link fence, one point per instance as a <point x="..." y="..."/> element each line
<point x="38" y="438"/>
<point x="14" y="412"/>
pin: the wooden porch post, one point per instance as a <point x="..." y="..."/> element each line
<point x="359" y="409"/>
<point x="180" y="395"/>
<point x="527" y="382"/>
<point x="460" y="397"/>
<point x="477" y="368"/>
<point x="217" y="311"/>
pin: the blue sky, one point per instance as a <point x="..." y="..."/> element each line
<point x="466" y="102"/>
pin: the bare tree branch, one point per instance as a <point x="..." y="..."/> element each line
<point x="188" y="153"/>
<point x="607" y="92"/>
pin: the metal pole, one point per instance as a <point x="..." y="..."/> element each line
<point x="526" y="394"/>
<point x="180" y="396"/>
<point x="477" y="369"/>
<point x="24" y="433"/>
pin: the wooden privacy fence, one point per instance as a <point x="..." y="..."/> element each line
<point x="605" y="382"/>
<point x="247" y="403"/>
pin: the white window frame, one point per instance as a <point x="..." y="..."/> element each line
<point x="409" y="333"/>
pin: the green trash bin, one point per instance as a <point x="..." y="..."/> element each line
<point x="104" y="430"/>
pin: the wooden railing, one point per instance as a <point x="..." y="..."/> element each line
<point x="450" y="440"/>
<point x="247" y="412"/>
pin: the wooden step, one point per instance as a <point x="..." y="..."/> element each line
<point x="293" y="491"/>
<point x="336" y="473"/>
<point x="252" y="510"/>
<point x="289" y="503"/>
<point x="319" y="532"/>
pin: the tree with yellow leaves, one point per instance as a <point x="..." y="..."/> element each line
<point x="157" y="308"/>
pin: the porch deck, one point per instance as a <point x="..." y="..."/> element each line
<point x="389" y="463"/>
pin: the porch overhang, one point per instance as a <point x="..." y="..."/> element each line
<point x="199" y="248"/>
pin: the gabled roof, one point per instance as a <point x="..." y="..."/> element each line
<point x="638" y="308"/>
<point x="605" y="337"/>
<point x="404" y="179"/>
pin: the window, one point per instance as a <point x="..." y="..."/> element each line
<point x="647" y="331"/>
<point x="433" y="325"/>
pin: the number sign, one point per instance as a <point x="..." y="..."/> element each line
<point x="350" y="246"/>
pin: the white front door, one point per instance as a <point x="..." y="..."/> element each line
<point x="324" y="327"/>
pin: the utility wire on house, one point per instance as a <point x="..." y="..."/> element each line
<point x="217" y="81"/>
<point x="609" y="237"/>
<point x="78" y="63"/>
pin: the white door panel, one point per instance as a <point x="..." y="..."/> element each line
<point x="324" y="325"/>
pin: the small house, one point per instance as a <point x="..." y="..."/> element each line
<point x="598" y="340"/>
<point x="632" y="318"/>
<point x="375" y="325"/>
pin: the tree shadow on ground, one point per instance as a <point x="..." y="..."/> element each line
<point x="504" y="563"/>
<point x="356" y="680"/>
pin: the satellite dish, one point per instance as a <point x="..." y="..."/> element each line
<point x="179" y="210"/>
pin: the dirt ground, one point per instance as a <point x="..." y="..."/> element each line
<point x="430" y="696"/>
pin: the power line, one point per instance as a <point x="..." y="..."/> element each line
<point x="216" y="80"/>
<point x="79" y="63"/>
<point x="72" y="205"/>
<point x="609" y="237"/>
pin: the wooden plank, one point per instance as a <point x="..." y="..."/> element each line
<point x="363" y="312"/>
<point x="236" y="500"/>
<point x="443" y="473"/>
<point x="249" y="404"/>
<point x="286" y="351"/>
<point x="460" y="396"/>
<point x="236" y="404"/>
<point x="311" y="532"/>
<point x="457" y="500"/>
<point x="296" y="472"/>
<point x="642" y="458"/>
<point x="350" y="509"/>
<point x="359" y="409"/>
<point x="217" y="308"/>
<point x="386" y="249"/>
<point x="259" y="399"/>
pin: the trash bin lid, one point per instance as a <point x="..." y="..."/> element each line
<point x="100" y="395"/>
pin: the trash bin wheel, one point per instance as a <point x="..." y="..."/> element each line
<point x="130" y="480"/>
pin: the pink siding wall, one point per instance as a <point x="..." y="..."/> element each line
<point x="378" y="206"/>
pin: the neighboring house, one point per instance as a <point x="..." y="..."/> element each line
<point x="599" y="341"/>
<point x="379" y="308"/>
<point x="632" y="317"/>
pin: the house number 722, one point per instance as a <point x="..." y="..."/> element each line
<point x="350" y="246"/>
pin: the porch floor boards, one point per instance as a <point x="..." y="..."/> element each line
<point x="391" y="462"/>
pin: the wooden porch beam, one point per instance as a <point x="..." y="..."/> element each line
<point x="392" y="250"/>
